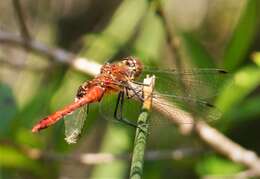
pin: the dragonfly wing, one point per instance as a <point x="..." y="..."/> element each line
<point x="74" y="124"/>
<point x="107" y="106"/>
<point x="197" y="108"/>
<point x="178" y="106"/>
<point x="199" y="83"/>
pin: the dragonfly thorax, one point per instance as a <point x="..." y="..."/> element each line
<point x="113" y="76"/>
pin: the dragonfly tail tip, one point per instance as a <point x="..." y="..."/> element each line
<point x="34" y="130"/>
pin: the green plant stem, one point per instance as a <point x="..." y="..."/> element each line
<point x="139" y="147"/>
<point x="142" y="132"/>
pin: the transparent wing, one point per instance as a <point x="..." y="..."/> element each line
<point x="196" y="107"/>
<point x="74" y="124"/>
<point x="197" y="83"/>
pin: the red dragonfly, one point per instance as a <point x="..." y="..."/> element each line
<point x="120" y="76"/>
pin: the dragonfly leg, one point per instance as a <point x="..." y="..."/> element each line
<point x="117" y="104"/>
<point x="135" y="93"/>
<point x="119" y="110"/>
<point x="127" y="93"/>
<point x="118" y="114"/>
<point x="126" y="90"/>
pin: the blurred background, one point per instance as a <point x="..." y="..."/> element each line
<point x="162" y="33"/>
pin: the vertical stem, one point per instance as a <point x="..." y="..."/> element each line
<point x="21" y="20"/>
<point x="142" y="130"/>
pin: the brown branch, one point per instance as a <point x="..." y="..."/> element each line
<point x="225" y="146"/>
<point x="81" y="64"/>
<point x="215" y="139"/>
<point x="21" y="66"/>
<point x="21" y="20"/>
<point x="102" y="158"/>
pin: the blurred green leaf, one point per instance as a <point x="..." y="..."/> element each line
<point x="120" y="29"/>
<point x="67" y="89"/>
<point x="199" y="56"/>
<point x="256" y="58"/>
<point x="116" y="141"/>
<point x="39" y="104"/>
<point x="150" y="41"/>
<point x="213" y="165"/>
<point x="248" y="109"/>
<point x="243" y="82"/>
<point x="242" y="36"/>
<point x="12" y="158"/>
<point x="26" y="137"/>
<point x="8" y="110"/>
<point x="37" y="108"/>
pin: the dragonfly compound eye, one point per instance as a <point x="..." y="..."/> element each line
<point x="134" y="66"/>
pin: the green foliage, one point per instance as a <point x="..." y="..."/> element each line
<point x="242" y="36"/>
<point x="199" y="56"/>
<point x="8" y="109"/>
<point x="247" y="110"/>
<point x="12" y="158"/>
<point x="121" y="28"/>
<point x="216" y="166"/>
<point x="146" y="46"/>
<point x="242" y="83"/>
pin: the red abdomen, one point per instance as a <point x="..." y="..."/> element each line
<point x="94" y="94"/>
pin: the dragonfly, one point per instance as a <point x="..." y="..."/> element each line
<point x="184" y="87"/>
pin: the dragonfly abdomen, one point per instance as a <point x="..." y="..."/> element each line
<point x="93" y="94"/>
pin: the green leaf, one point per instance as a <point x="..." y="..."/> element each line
<point x="256" y="58"/>
<point x="39" y="104"/>
<point x="121" y="28"/>
<point x="246" y="110"/>
<point x="242" y="36"/>
<point x="26" y="137"/>
<point x="150" y="41"/>
<point x="12" y="158"/>
<point x="242" y="83"/>
<point x="8" y="110"/>
<point x="116" y="145"/>
<point x="213" y="165"/>
<point x="197" y="53"/>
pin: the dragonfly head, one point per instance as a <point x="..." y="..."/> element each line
<point x="134" y="66"/>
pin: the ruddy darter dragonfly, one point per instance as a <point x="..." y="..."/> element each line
<point x="119" y="77"/>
